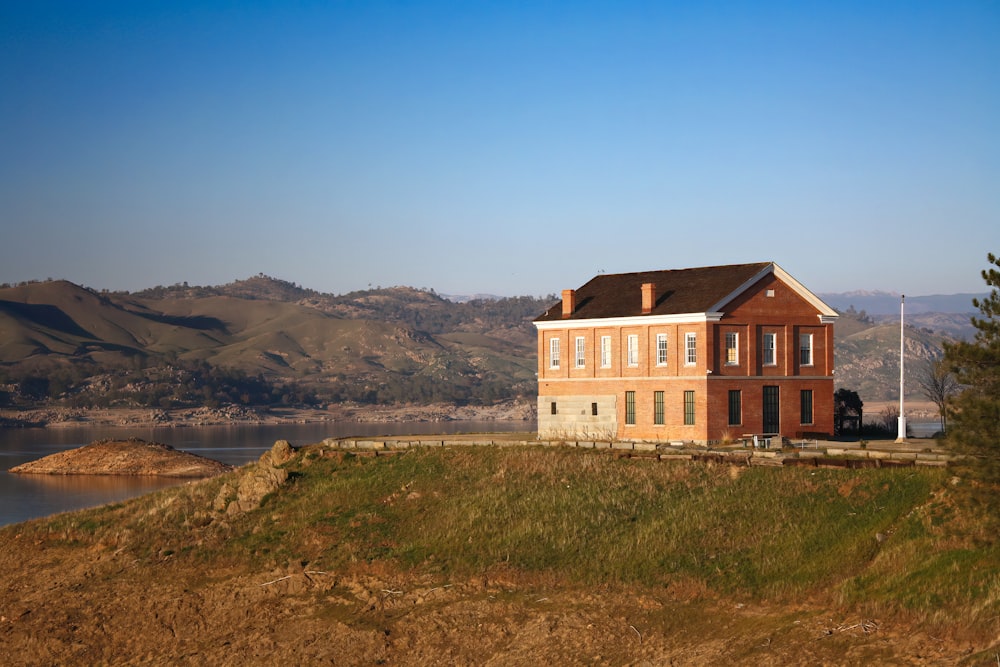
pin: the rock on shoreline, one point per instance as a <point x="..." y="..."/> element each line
<point x="124" y="457"/>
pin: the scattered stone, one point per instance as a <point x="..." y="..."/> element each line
<point x="280" y="454"/>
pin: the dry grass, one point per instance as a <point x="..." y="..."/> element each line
<point x="880" y="541"/>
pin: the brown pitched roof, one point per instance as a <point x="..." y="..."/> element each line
<point x="676" y="292"/>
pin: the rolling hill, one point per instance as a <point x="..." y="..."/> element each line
<point x="867" y="356"/>
<point x="387" y="345"/>
<point x="391" y="345"/>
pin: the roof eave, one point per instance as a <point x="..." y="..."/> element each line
<point x="630" y="320"/>
<point x="826" y="314"/>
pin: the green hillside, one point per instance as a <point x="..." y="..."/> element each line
<point x="511" y="555"/>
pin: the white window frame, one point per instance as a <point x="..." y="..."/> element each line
<point x="581" y="352"/>
<point x="605" y="351"/>
<point x="661" y="349"/>
<point x="553" y="353"/>
<point x="732" y="345"/>
<point x="633" y="350"/>
<point x="769" y="347"/>
<point x="806" y="349"/>
<point x="690" y="349"/>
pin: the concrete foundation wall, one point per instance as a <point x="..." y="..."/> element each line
<point x="574" y="417"/>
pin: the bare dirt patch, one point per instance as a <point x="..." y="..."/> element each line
<point x="108" y="608"/>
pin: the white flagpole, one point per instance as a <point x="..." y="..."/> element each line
<point x="901" y="435"/>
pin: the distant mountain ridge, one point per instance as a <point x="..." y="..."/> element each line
<point x="887" y="303"/>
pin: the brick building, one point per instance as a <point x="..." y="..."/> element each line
<point x="694" y="355"/>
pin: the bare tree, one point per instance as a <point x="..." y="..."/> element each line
<point x="938" y="384"/>
<point x="888" y="418"/>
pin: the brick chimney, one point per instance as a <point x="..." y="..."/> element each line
<point x="569" y="302"/>
<point x="648" y="294"/>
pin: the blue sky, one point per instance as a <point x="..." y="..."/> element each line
<point x="499" y="147"/>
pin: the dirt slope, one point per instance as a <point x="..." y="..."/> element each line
<point x="100" y="605"/>
<point x="124" y="586"/>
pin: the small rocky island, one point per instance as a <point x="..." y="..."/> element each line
<point x="124" y="457"/>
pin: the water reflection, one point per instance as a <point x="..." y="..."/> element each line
<point x="23" y="497"/>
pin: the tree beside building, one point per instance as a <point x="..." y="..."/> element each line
<point x="974" y="414"/>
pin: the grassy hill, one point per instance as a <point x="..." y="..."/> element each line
<point x="385" y="345"/>
<point x="66" y="322"/>
<point x="512" y="555"/>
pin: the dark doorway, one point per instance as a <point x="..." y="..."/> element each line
<point x="772" y="412"/>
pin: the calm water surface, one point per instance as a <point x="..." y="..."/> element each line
<point x="24" y="497"/>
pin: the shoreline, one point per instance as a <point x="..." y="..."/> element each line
<point x="233" y="415"/>
<point x="57" y="417"/>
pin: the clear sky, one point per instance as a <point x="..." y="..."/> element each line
<point x="498" y="147"/>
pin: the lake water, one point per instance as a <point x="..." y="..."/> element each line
<point x="922" y="429"/>
<point x="24" y="497"/>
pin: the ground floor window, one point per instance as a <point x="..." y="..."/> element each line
<point x="658" y="407"/>
<point x="553" y="407"/>
<point x="630" y="407"/>
<point x="806" y="402"/>
<point x="735" y="407"/>
<point x="688" y="408"/>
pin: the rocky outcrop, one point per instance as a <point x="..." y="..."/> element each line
<point x="256" y="481"/>
<point x="124" y="457"/>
